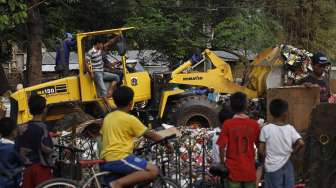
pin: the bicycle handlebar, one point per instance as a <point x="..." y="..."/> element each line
<point x="72" y="149"/>
<point x="165" y="139"/>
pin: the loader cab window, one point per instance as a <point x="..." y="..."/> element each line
<point x="132" y="64"/>
<point x="202" y="66"/>
<point x="112" y="56"/>
<point x="207" y="65"/>
<point x="121" y="46"/>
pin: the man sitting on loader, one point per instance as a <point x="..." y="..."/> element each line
<point x="95" y="57"/>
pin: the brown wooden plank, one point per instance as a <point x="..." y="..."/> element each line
<point x="301" y="101"/>
<point x="333" y="86"/>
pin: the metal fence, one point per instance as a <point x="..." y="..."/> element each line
<point x="188" y="164"/>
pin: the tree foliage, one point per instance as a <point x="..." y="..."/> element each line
<point x="171" y="33"/>
<point x="307" y="24"/>
<point x="176" y="27"/>
<point x="12" y="12"/>
<point x="60" y="16"/>
<point x="247" y="31"/>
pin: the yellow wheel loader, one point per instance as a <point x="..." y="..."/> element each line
<point x="74" y="99"/>
<point x="163" y="96"/>
<point x="183" y="106"/>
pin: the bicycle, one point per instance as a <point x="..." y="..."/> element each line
<point x="95" y="178"/>
<point x="221" y="172"/>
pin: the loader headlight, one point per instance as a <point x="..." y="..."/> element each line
<point x="140" y="105"/>
<point x="5" y="105"/>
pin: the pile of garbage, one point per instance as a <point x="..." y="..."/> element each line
<point x="297" y="62"/>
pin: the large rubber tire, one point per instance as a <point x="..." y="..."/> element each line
<point x="72" y="119"/>
<point x="58" y="183"/>
<point x="193" y="110"/>
<point x="164" y="182"/>
<point x="73" y="114"/>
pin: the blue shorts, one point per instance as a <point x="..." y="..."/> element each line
<point x="123" y="167"/>
<point x="100" y="77"/>
<point x="282" y="178"/>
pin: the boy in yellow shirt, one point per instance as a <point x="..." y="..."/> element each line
<point x="119" y="131"/>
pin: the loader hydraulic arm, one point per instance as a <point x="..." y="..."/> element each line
<point x="217" y="77"/>
<point x="265" y="62"/>
<point x="181" y="68"/>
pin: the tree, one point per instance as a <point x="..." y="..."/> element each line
<point x="307" y="24"/>
<point x="60" y="16"/>
<point x="34" y="35"/>
<point x="12" y="13"/>
<point x="247" y="31"/>
<point x="174" y="28"/>
<point x="323" y="27"/>
<point x="162" y="26"/>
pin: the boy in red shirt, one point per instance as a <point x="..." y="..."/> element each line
<point x="239" y="135"/>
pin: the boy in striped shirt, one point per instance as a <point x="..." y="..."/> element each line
<point x="95" y="56"/>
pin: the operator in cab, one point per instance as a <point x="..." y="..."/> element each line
<point x="318" y="76"/>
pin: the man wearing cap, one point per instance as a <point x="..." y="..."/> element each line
<point x="63" y="54"/>
<point x="319" y="63"/>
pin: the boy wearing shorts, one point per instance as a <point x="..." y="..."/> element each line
<point x="118" y="132"/>
<point x="238" y="136"/>
<point x="278" y="140"/>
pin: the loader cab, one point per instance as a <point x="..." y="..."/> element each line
<point x="137" y="79"/>
<point x="207" y="70"/>
<point x="203" y="64"/>
<point x="206" y="63"/>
